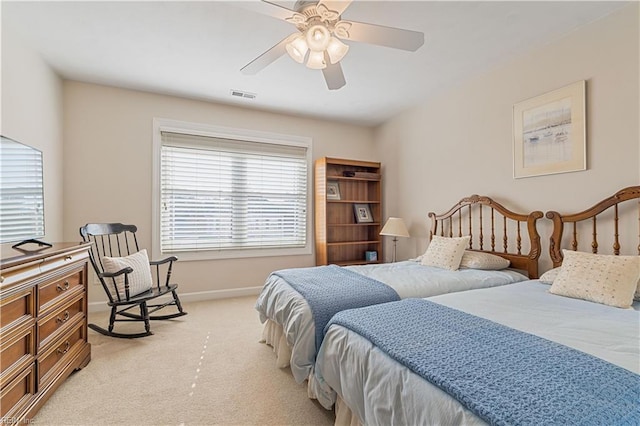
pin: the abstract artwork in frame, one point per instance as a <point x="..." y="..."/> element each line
<point x="549" y="133"/>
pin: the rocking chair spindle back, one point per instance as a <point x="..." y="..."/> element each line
<point x="116" y="240"/>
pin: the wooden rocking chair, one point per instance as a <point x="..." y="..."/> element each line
<point x="116" y="247"/>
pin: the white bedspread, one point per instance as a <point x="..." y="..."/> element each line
<point x="380" y="391"/>
<point x="280" y="303"/>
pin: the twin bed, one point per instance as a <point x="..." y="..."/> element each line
<point x="294" y="328"/>
<point x="500" y="354"/>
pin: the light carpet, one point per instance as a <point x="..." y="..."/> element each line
<point x="204" y="368"/>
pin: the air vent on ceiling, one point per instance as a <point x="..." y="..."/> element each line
<point x="241" y="94"/>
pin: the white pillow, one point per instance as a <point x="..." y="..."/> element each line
<point x="445" y="252"/>
<point x="481" y="260"/>
<point x="139" y="280"/>
<point x="607" y="279"/>
<point x="549" y="276"/>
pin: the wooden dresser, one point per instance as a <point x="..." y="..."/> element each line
<point x="43" y="324"/>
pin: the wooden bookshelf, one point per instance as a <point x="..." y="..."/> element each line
<point x="340" y="239"/>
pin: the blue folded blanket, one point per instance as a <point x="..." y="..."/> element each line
<point x="330" y="289"/>
<point x="505" y="376"/>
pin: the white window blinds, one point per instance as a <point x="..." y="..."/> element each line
<point x="224" y="194"/>
<point x="21" y="192"/>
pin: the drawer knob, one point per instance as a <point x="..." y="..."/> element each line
<point x="68" y="257"/>
<point x="1" y="279"/>
<point x="64" y="319"/>
<point x="67" y="345"/>
<point x="63" y="287"/>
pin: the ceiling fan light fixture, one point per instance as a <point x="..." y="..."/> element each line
<point x="318" y="37"/>
<point x="318" y="42"/>
<point x="341" y="29"/>
<point x="297" y="48"/>
<point x="336" y="50"/>
<point x="316" y="60"/>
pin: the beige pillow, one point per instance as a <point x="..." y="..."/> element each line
<point x="549" y="276"/>
<point x="480" y="260"/>
<point x="445" y="252"/>
<point x="139" y="280"/>
<point x="607" y="279"/>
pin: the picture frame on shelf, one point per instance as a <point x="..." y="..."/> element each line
<point x="333" y="190"/>
<point x="362" y="213"/>
<point x="549" y="133"/>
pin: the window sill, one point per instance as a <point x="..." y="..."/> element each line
<point x="233" y="254"/>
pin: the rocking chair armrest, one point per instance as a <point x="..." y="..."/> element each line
<point x="160" y="262"/>
<point x="126" y="270"/>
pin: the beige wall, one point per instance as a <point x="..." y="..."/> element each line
<point x="32" y="114"/>
<point x="461" y="143"/>
<point x="107" y="158"/>
<point x="434" y="154"/>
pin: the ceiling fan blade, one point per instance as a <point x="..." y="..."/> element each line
<point x="334" y="76"/>
<point x="267" y="8"/>
<point x="385" y="36"/>
<point x="337" y="6"/>
<point x="266" y="58"/>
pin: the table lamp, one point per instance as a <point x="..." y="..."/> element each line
<point x="395" y="228"/>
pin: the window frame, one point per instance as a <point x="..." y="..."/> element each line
<point x="208" y="130"/>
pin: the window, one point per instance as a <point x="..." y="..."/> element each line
<point x="21" y="192"/>
<point x="230" y="193"/>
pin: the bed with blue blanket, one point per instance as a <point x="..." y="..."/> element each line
<point x="295" y="304"/>
<point x="560" y="350"/>
<point x="295" y="330"/>
<point x="484" y="356"/>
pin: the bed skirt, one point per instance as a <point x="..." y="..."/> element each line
<point x="344" y="415"/>
<point x="273" y="335"/>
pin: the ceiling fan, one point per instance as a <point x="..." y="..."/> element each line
<point x="318" y="39"/>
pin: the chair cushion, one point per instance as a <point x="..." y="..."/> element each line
<point x="139" y="280"/>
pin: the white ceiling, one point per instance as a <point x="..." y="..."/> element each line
<point x="196" y="49"/>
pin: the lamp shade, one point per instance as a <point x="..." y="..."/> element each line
<point x="297" y="48"/>
<point x="336" y="50"/>
<point x="316" y="60"/>
<point x="395" y="227"/>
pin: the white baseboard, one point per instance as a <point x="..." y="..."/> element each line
<point x="195" y="297"/>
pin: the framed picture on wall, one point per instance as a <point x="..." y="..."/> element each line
<point x="363" y="213"/>
<point x="549" y="133"/>
<point x="333" y="190"/>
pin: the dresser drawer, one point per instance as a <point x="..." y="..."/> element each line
<point x="62" y="260"/>
<point x="58" y="321"/>
<point x="56" y="358"/>
<point x="18" y="394"/>
<point x="58" y="289"/>
<point x="17" y="351"/>
<point x="17" y="308"/>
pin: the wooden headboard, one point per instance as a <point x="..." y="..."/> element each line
<point x="585" y="228"/>
<point x="481" y="217"/>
